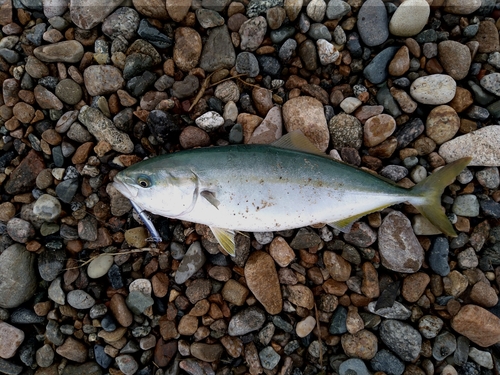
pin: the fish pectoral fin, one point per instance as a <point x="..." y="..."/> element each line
<point x="210" y="197"/>
<point x="225" y="237"/>
<point x="296" y="140"/>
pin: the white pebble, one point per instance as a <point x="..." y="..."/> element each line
<point x="141" y="285"/>
<point x="305" y="327"/>
<point x="327" y="52"/>
<point x="100" y="266"/>
<point x="209" y="121"/>
<point x="434" y="89"/>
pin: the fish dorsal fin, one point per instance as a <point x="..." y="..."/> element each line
<point x="210" y="197"/>
<point x="225" y="237"/>
<point x="297" y="141"/>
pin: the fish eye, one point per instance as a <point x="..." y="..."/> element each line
<point x="144" y="181"/>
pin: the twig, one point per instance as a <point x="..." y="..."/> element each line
<point x="319" y="336"/>
<point x="205" y="85"/>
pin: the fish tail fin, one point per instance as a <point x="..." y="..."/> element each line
<point x="431" y="190"/>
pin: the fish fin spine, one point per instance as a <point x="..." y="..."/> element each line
<point x="427" y="195"/>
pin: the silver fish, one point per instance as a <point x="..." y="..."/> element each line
<point x="256" y="188"/>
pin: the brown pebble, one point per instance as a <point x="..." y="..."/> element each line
<point x="478" y="325"/>
<point x="338" y="267"/>
<point x="234" y="293"/>
<point x="192" y="136"/>
<point x="370" y="285"/>
<point x="362" y="345"/>
<point x="120" y="310"/>
<point x="483" y="295"/>
<point x="73" y="350"/>
<point x="24" y="112"/>
<point x="414" y="286"/>
<point x="400" y="63"/>
<point x="188" y="325"/>
<point x="82" y="153"/>
<point x="160" y="283"/>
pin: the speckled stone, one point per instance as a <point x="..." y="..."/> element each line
<point x="434" y="89"/>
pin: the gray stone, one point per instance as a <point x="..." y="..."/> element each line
<point x="218" y="51"/>
<point x="385" y="361"/>
<point x="444" y="345"/>
<point x="466" y="205"/>
<point x="193" y="260"/>
<point x="79" y="299"/>
<point x="138" y="302"/>
<point x="337" y="9"/>
<point x="401" y="338"/>
<point x="246" y="321"/>
<point x="47" y="208"/>
<point x="373" y="24"/>
<point x="269" y="358"/>
<point x="15" y="290"/>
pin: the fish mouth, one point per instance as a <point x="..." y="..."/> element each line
<point x="128" y="191"/>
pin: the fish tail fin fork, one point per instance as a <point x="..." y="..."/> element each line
<point x="431" y="190"/>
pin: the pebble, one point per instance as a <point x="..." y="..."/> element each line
<point x="104" y="130"/>
<point x="433" y="89"/>
<point x="479" y="144"/>
<point x="466" y="205"/>
<point x="327" y="52"/>
<point x="246" y="63"/>
<point x="20" y="230"/>
<point x="387" y="362"/>
<point x="47" y="207"/>
<point x="377" y="70"/>
<point x="127" y="364"/>
<point x="409" y="18"/>
<point x="350" y="104"/>
<point x="396" y="311"/>
<point x="305" y="326"/>
<point x="10" y="340"/>
<point x="210" y="121"/>
<point x="260" y="266"/>
<point x="73" y="350"/>
<point x="269" y="358"/>
<point x="484" y="295"/>
<point x="252" y="33"/>
<point x="438" y="256"/>
<point x="395" y="230"/>
<point x="362" y="344"/>
<point x="337" y="9"/>
<point x="306" y="114"/>
<point x="218" y="51"/>
<point x="444" y="345"/>
<point x="478" y="325"/>
<point x="401" y="338"/>
<point x="481" y="357"/>
<point x="248" y="320"/>
<point x="461" y="6"/>
<point x="354" y="366"/>
<point x="377" y="129"/>
<point x="442" y="124"/>
<point x="80" y="299"/>
<point x="373" y="23"/>
<point x="455" y="58"/>
<point x="193" y="260"/>
<point x="345" y="131"/>
<point x="429" y="326"/>
<point x="70" y="51"/>
<point x="102" y="80"/>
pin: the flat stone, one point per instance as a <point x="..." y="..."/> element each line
<point x="487" y="36"/>
<point x="434" y="89"/>
<point x="206" y="352"/>
<point x="70" y="51"/>
<point x="73" y="350"/>
<point x="409" y="18"/>
<point x="377" y="129"/>
<point x="462" y="6"/>
<point x="262" y="280"/>
<point x="373" y="23"/>
<point x="399" y="248"/>
<point x="86" y="14"/>
<point x="478" y="325"/>
<point x="481" y="145"/>
<point x="455" y="58"/>
<point x="306" y="114"/>
<point x="218" y="51"/>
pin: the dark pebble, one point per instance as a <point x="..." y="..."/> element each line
<point x="6" y="158"/>
<point x="35" y="34"/>
<point x="185" y="88"/>
<point x="236" y="134"/>
<point x="246" y="103"/>
<point x="139" y="85"/>
<point x="161" y="124"/>
<point x="57" y="156"/>
<point x="246" y="63"/>
<point x="9" y="368"/>
<point x="49" y="83"/>
<point x="338" y="322"/>
<point x="89" y="368"/>
<point x="108" y="323"/>
<point x="67" y="189"/>
<point x="438" y="256"/>
<point x="394" y="172"/>
<point x="279" y="322"/>
<point x="476" y="112"/>
<point x="115" y="277"/>
<point x="427" y="36"/>
<point x="490" y="208"/>
<point x="409" y="132"/>
<point x="101" y="357"/>
<point x="285" y="32"/>
<point x="287" y="49"/>
<point x="385" y="98"/>
<point x="51" y="263"/>
<point x="215" y="104"/>
<point x="53" y="333"/>
<point x="27" y="351"/>
<point x="25" y="316"/>
<point x="136" y="64"/>
<point x="269" y="65"/>
<point x="376" y="71"/>
<point x="387" y="362"/>
<point x="153" y="35"/>
<point x="354" y="46"/>
<point x="308" y="54"/>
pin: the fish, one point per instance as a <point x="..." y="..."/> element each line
<point x="285" y="185"/>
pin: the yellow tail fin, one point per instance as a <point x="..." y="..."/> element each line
<point x="431" y="190"/>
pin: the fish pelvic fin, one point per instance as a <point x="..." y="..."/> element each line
<point x="225" y="237"/>
<point x="431" y="190"/>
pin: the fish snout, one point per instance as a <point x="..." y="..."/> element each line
<point x="121" y="184"/>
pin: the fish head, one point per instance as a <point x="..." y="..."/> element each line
<point x="162" y="191"/>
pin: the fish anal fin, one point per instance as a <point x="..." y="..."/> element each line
<point x="345" y="225"/>
<point x="210" y="197"/>
<point x="225" y="237"/>
<point x="296" y="140"/>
